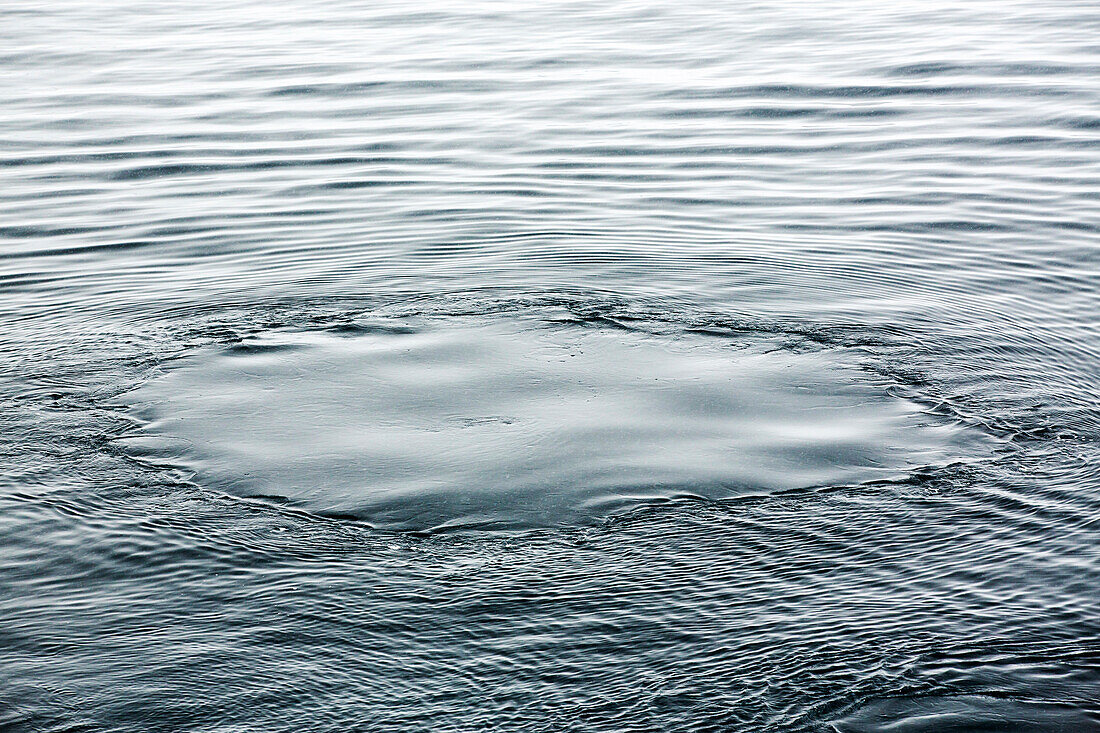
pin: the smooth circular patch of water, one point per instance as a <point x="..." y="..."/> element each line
<point x="518" y="422"/>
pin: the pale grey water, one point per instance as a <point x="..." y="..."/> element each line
<point x="504" y="423"/>
<point x="549" y="366"/>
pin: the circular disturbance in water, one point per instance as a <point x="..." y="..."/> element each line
<point x="508" y="423"/>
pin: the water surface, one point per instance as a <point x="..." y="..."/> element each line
<point x="507" y="422"/>
<point x="325" y="336"/>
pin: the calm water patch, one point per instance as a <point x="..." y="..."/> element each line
<point x="512" y="422"/>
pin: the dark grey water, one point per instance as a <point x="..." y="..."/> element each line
<point x="556" y="366"/>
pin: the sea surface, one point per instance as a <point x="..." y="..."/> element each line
<point x="549" y="366"/>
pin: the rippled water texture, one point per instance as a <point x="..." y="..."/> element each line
<point x="549" y="366"/>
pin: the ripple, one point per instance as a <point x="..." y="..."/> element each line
<point x="966" y="714"/>
<point x="402" y="221"/>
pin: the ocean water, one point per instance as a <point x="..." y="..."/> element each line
<point x="549" y="366"/>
